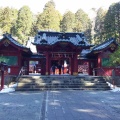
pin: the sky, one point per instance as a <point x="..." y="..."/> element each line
<point x="61" y="5"/>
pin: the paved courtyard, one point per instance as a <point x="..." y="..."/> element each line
<point x="60" y="105"/>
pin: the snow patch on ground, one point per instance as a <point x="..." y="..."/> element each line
<point x="113" y="87"/>
<point x="9" y="89"/>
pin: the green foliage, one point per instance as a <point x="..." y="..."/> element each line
<point x="7" y="19"/>
<point x="112" y="21"/>
<point x="49" y="19"/>
<point x="109" y="23"/>
<point x="38" y="24"/>
<point x="68" y="22"/>
<point x="24" y="24"/>
<point x="115" y="58"/>
<point x="79" y="21"/>
<point x="83" y="23"/>
<point x="49" y="4"/>
<point x="14" y="18"/>
<point x="1" y="31"/>
<point x="99" y="26"/>
<point x="34" y="28"/>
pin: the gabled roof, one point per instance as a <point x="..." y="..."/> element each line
<point x="50" y="38"/>
<point x="104" y="45"/>
<point x="14" y="42"/>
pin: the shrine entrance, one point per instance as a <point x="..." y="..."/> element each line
<point x="67" y="59"/>
<point x="62" y="66"/>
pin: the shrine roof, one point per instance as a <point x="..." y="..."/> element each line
<point x="103" y="45"/>
<point x="50" y="38"/>
<point x="11" y="39"/>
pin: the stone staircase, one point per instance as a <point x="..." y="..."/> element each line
<point x="36" y="83"/>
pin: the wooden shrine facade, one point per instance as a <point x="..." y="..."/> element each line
<point x="61" y="48"/>
<point x="12" y="53"/>
<point x="55" y="48"/>
<point x="101" y="54"/>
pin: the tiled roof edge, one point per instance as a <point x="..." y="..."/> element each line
<point x="105" y="42"/>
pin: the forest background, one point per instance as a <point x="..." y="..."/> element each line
<point x="23" y="24"/>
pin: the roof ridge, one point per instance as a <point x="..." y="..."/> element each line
<point x="9" y="37"/>
<point x="110" y="39"/>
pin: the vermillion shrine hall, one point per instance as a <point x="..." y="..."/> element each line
<point x="69" y="53"/>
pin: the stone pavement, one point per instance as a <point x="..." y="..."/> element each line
<point x="60" y="105"/>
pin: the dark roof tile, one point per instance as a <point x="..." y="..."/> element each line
<point x="53" y="37"/>
<point x="103" y="45"/>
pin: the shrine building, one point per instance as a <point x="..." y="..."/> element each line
<point x="69" y="50"/>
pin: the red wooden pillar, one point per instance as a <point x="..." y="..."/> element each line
<point x="43" y="66"/>
<point x="47" y="64"/>
<point x="2" y="79"/>
<point x="75" y="72"/>
<point x="99" y="61"/>
<point x="27" y="72"/>
<point x="89" y="68"/>
<point x="72" y="65"/>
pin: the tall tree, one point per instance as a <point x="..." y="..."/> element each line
<point x="50" y="18"/>
<point x="24" y="24"/>
<point x="114" y="58"/>
<point x="83" y="23"/>
<point x="112" y="21"/>
<point x="99" y="26"/>
<point x="34" y="27"/>
<point x="49" y="4"/>
<point x="79" y="21"/>
<point x="117" y="20"/>
<point x="109" y="23"/>
<point x="68" y="22"/>
<point x="14" y="13"/>
<point x="1" y="9"/>
<point x="6" y="19"/>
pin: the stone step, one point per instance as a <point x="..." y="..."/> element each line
<point x="60" y="82"/>
<point x="63" y="86"/>
<point x="27" y="86"/>
<point x="80" y="88"/>
<point x="43" y="84"/>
